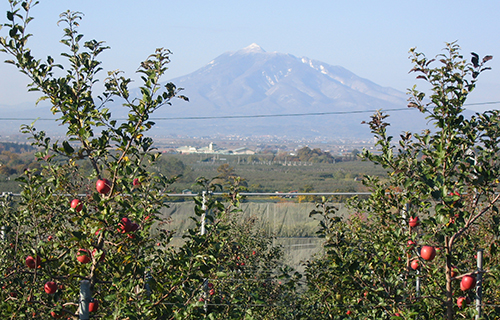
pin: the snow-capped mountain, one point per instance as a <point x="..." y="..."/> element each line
<point x="253" y="82"/>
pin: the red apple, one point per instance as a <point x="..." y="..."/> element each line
<point x="410" y="244"/>
<point x="32" y="263"/>
<point x="428" y="253"/>
<point x="103" y="186"/>
<point x="453" y="272"/>
<point x="83" y="256"/>
<point x="77" y="205"/>
<point x="348" y="312"/>
<point x="125" y="225"/>
<point x="134" y="227"/>
<point x="93" y="305"/>
<point x="413" y="222"/>
<point x="50" y="287"/>
<point x="463" y="301"/>
<point x="468" y="282"/>
<point x="414" y="264"/>
<point x="55" y="315"/>
<point x="454" y="194"/>
<point x="136" y="182"/>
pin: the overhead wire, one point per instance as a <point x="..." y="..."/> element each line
<point x="258" y="115"/>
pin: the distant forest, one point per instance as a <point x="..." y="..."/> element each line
<point x="15" y="147"/>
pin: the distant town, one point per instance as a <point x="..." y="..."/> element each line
<point x="224" y="145"/>
<point x="241" y="145"/>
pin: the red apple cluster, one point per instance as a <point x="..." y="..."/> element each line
<point x="410" y="244"/>
<point x="84" y="256"/>
<point x="211" y="290"/>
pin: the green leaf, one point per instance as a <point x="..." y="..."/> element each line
<point x="78" y="234"/>
<point x="68" y="149"/>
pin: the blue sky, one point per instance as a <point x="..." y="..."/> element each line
<point x="370" y="38"/>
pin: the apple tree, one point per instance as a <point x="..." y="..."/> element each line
<point x="250" y="279"/>
<point x="412" y="241"/>
<point x="68" y="236"/>
<point x="82" y="243"/>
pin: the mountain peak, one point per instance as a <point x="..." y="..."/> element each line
<point x="253" y="48"/>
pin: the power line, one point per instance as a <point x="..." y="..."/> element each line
<point x="279" y="115"/>
<point x="260" y="115"/>
<point x="235" y="116"/>
<point x="481" y="103"/>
